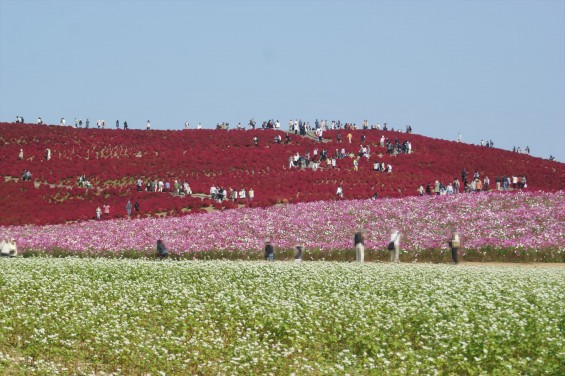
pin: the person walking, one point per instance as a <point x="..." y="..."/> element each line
<point x="106" y="210"/>
<point x="454" y="244"/>
<point x="5" y="247"/>
<point x="359" y="240"/>
<point x="269" y="251"/>
<point x="394" y="246"/>
<point x="299" y="252"/>
<point x="128" y="208"/>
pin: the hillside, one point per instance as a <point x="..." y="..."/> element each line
<point x="112" y="161"/>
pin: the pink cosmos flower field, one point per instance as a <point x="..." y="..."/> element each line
<point x="525" y="221"/>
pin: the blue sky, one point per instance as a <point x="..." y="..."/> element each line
<point x="488" y="70"/>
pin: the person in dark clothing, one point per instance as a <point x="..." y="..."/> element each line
<point x="454" y="244"/>
<point x="162" y="251"/>
<point x="359" y="241"/>
<point x="299" y="253"/>
<point x="269" y="251"/>
<point x="136" y="207"/>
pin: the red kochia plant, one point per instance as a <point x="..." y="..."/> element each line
<point x="113" y="160"/>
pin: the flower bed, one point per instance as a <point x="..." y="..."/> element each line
<point x="76" y="316"/>
<point x="113" y="160"/>
<point x="519" y="227"/>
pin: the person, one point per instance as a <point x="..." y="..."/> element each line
<point x="106" y="210"/>
<point x="5" y="247"/>
<point x="454" y="244"/>
<point x="148" y="126"/>
<point x="299" y="252"/>
<point x="359" y="240"/>
<point x="128" y="208"/>
<point x="98" y="213"/>
<point x="162" y="251"/>
<point x="339" y="191"/>
<point x="13" y="248"/>
<point x="26" y="175"/>
<point x="117" y="124"/>
<point x="251" y="194"/>
<point x="421" y="190"/>
<point x="269" y="251"/>
<point x="21" y="155"/>
<point x="47" y="154"/>
<point x="394" y="246"/>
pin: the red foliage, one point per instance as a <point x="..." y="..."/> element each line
<point x="113" y="160"/>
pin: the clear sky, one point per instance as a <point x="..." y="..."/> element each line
<point x="485" y="69"/>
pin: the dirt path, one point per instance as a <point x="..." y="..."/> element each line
<point x="558" y="265"/>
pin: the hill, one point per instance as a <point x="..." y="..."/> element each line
<point x="113" y="160"/>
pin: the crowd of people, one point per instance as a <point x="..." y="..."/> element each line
<point x="158" y="185"/>
<point x="359" y="237"/>
<point x="219" y="194"/>
<point x="473" y="184"/>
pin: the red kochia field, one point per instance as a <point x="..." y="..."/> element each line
<point x="113" y="160"/>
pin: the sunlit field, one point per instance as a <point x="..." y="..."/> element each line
<point x="104" y="316"/>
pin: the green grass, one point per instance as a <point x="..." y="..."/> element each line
<point x="79" y="316"/>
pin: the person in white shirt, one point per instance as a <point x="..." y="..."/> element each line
<point x="242" y="194"/>
<point x="148" y="125"/>
<point x="339" y="191"/>
<point x="213" y="192"/>
<point x="12" y="248"/>
<point x="5" y="247"/>
<point x="199" y="126"/>
<point x="251" y="194"/>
